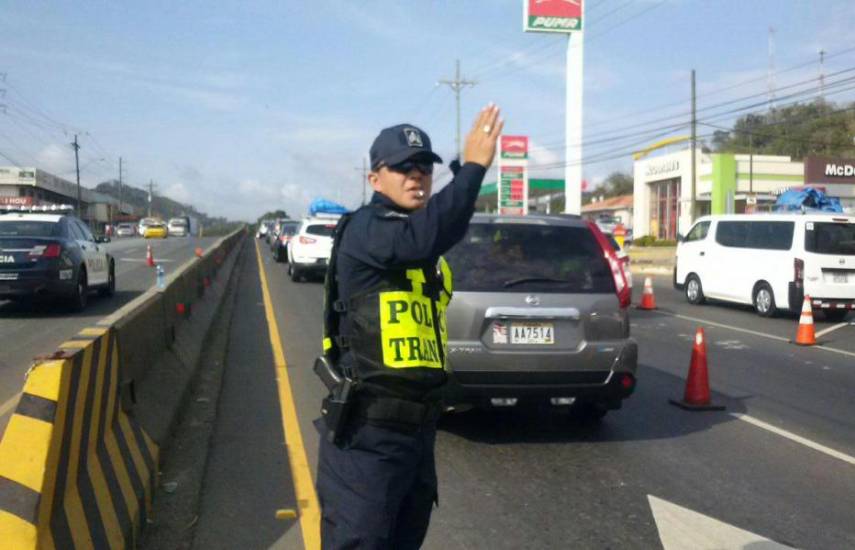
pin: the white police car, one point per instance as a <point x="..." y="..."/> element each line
<point x="46" y="251"/>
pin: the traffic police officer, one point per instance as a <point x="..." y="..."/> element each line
<point x="387" y="290"/>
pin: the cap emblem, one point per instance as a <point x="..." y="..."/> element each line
<point x="414" y="137"/>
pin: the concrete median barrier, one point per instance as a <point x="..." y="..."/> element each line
<point x="79" y="458"/>
<point x="77" y="471"/>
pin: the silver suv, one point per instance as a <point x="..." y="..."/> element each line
<point x="539" y="315"/>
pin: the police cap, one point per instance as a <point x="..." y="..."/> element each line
<point x="399" y="143"/>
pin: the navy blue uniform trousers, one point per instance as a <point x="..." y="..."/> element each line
<point x="377" y="488"/>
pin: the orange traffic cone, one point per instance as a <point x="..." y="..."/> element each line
<point x="648" y="300"/>
<point x="149" y="257"/>
<point x="198" y="251"/>
<point x="697" y="394"/>
<point x="805" y="335"/>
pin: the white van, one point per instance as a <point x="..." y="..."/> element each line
<point x="770" y="261"/>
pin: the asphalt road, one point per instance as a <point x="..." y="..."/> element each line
<point x="30" y="331"/>
<point x="776" y="465"/>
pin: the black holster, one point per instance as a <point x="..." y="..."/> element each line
<point x="336" y="407"/>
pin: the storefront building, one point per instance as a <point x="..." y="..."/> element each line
<point x="25" y="187"/>
<point x="726" y="184"/>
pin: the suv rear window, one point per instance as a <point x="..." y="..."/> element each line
<point x="25" y="228"/>
<point x="830" y="238"/>
<point x="526" y="258"/>
<point x="324" y="230"/>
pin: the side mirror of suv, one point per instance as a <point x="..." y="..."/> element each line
<point x="101" y="240"/>
<point x="680" y="237"/>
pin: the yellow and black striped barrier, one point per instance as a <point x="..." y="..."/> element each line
<point x="75" y="470"/>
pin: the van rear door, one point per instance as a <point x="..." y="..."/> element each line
<point x="830" y="258"/>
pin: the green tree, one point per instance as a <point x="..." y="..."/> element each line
<point x="615" y="185"/>
<point x="800" y="130"/>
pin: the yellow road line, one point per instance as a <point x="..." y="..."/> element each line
<point x="307" y="499"/>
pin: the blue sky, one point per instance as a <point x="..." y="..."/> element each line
<point x="240" y="107"/>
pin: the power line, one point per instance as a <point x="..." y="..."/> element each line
<point x="676" y="125"/>
<point x="716" y="91"/>
<point x="615" y="154"/>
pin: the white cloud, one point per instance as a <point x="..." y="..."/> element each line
<point x="55" y="159"/>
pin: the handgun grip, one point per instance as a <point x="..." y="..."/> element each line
<point x="327" y="373"/>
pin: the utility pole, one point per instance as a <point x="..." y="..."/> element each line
<point x="150" y="192"/>
<point x="692" y="205"/>
<point x="121" y="190"/>
<point x="751" y="163"/>
<point x="822" y="74"/>
<point x="771" y="76"/>
<point x="76" y="147"/>
<point x="364" y="170"/>
<point x="456" y="85"/>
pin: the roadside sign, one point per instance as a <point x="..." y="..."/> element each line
<point x="552" y="15"/>
<point x="513" y="190"/>
<point x="512" y="186"/>
<point x="513" y="147"/>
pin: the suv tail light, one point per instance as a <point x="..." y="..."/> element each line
<point x="51" y="250"/>
<point x="307" y="240"/>
<point x="798" y="272"/>
<point x="616" y="266"/>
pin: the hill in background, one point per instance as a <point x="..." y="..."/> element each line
<point x="164" y="207"/>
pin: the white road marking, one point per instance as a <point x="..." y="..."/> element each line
<point x="731" y="344"/>
<point x="754" y="332"/>
<point x="830" y="329"/>
<point x="684" y="529"/>
<point x="796" y="438"/>
<point x="722" y="325"/>
<point x="10" y="404"/>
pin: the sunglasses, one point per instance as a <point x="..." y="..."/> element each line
<point x="423" y="166"/>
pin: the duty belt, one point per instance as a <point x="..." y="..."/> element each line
<point x="411" y="414"/>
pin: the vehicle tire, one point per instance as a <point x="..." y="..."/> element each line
<point x="764" y="300"/>
<point x="835" y="315"/>
<point x="295" y="274"/>
<point x="110" y="288"/>
<point x="81" y="292"/>
<point x="278" y="255"/>
<point x="694" y="290"/>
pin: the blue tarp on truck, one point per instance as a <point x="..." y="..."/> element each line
<point x="324" y="206"/>
<point x="807" y="199"/>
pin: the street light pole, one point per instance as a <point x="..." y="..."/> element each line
<point x="77" y="168"/>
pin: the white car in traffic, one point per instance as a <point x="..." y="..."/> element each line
<point x="309" y="250"/>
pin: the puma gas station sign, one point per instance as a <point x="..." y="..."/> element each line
<point x="552" y="15"/>
<point x="513" y="175"/>
<point x="513" y="147"/>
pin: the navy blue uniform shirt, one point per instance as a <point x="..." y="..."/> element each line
<point x="374" y="242"/>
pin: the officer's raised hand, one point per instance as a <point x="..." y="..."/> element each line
<point x="481" y="141"/>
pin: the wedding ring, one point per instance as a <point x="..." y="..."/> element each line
<point x="487" y="128"/>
